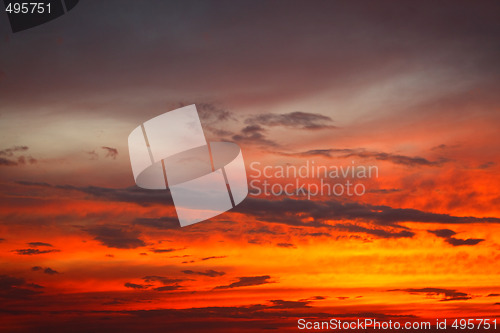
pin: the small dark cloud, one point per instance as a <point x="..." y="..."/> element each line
<point x="210" y="273"/>
<point x="6" y="162"/>
<point x="162" y="279"/>
<point x="301" y="120"/>
<point x="13" y="150"/>
<point x="116" y="237"/>
<point x="286" y="245"/>
<point x="263" y="230"/>
<point x="11" y="157"/>
<point x="154" y="250"/>
<point x="162" y="223"/>
<point x="460" y="242"/>
<point x="46" y="270"/>
<point x="2" y="240"/>
<point x="282" y="304"/>
<point x="211" y="113"/>
<point x="493" y="295"/>
<point x="29" y="252"/>
<point x="443" y="233"/>
<point x="110" y="152"/>
<point x="92" y="155"/>
<point x="36" y="244"/>
<point x="16" y="288"/>
<point x="247" y="281"/>
<point x="131" y="194"/>
<point x="486" y="165"/>
<point x="447" y="235"/>
<point x="253" y="134"/>
<point x="363" y="154"/>
<point x="447" y="294"/>
<point x="318" y="234"/>
<point x="213" y="257"/>
<point x="50" y="271"/>
<point x="440" y="147"/>
<point x="168" y="288"/>
<point x="385" y="190"/>
<point x="381" y="233"/>
<point x="396" y="158"/>
<point x="135" y="286"/>
<point x="314" y="298"/>
<point x="342" y="298"/>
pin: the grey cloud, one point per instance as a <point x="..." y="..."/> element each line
<point x="375" y="232"/>
<point x="46" y="270"/>
<point x="29" y="252"/>
<point x="16" y="288"/>
<point x="209" y="272"/>
<point x="11" y="157"/>
<point x="448" y="294"/>
<point x="110" y="152"/>
<point x="36" y="244"/>
<point x="300" y="120"/>
<point x="447" y="235"/>
<point x="135" y="286"/>
<point x="247" y="281"/>
<point x="119" y="237"/>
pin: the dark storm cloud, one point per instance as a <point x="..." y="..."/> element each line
<point x="300" y="120"/>
<point x="16" y="288"/>
<point x="447" y="294"/>
<point x="247" y="281"/>
<point x="46" y="270"/>
<point x="447" y="235"/>
<point x="119" y="237"/>
<point x="110" y="152"/>
<point x="36" y="244"/>
<point x="208" y="272"/>
<point x="286" y="211"/>
<point x="29" y="252"/>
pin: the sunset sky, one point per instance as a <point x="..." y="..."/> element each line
<point x="410" y="87"/>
